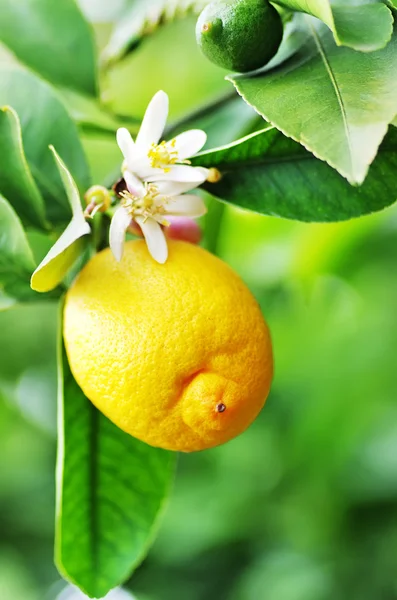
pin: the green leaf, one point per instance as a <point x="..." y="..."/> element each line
<point x="362" y="25"/>
<point x="270" y="174"/>
<point x="334" y="101"/>
<point x="142" y="20"/>
<point x="51" y="38"/>
<point x="16" y="258"/>
<point x="16" y="181"/>
<point x="69" y="246"/>
<point x="44" y="121"/>
<point x="111" y="490"/>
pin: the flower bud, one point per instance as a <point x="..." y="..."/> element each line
<point x="184" y="229"/>
<point x="97" y="198"/>
<point x="214" y="175"/>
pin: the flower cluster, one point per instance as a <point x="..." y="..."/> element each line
<point x="157" y="177"/>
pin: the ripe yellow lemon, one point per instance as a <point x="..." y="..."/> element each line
<point x="177" y="355"/>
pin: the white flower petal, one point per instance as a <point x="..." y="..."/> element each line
<point x="118" y="226"/>
<point x="153" y="122"/>
<point x="126" y="145"/>
<point x="141" y="166"/>
<point x="155" y="239"/>
<point x="203" y="171"/>
<point x="182" y="173"/>
<point x="186" y="206"/>
<point x="134" y="185"/>
<point x="174" y="188"/>
<point x="190" y="142"/>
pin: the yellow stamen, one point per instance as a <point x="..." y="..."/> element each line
<point x="163" y="155"/>
<point x="147" y="206"/>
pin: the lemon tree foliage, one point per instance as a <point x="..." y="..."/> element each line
<point x="44" y="121"/>
<point x="320" y="144"/>
<point x="352" y="94"/>
<point x="69" y="246"/>
<point x="63" y="52"/>
<point x="16" y="258"/>
<point x="365" y="25"/>
<point x="110" y="493"/>
<point x="271" y="174"/>
<point x="16" y="181"/>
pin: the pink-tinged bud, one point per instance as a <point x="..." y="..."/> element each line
<point x="184" y="229"/>
<point x="97" y="198"/>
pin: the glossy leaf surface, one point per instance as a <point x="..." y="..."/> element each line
<point x="352" y="95"/>
<point x="111" y="490"/>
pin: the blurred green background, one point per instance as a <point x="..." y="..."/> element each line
<point x="303" y="506"/>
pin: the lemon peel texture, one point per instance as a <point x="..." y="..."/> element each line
<point x="177" y="355"/>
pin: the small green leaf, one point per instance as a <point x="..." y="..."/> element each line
<point x="270" y="174"/>
<point x="51" y="38"/>
<point x="334" y="101"/>
<point x="16" y="181"/>
<point x="362" y="25"/>
<point x="45" y="121"/>
<point x="69" y="246"/>
<point x="111" y="490"/>
<point x="16" y="258"/>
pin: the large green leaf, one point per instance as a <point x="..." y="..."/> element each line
<point x="16" y="181"/>
<point x="16" y="259"/>
<point x="111" y="490"/>
<point x="336" y="102"/>
<point x="359" y="24"/>
<point x="271" y="174"/>
<point x="44" y="121"/>
<point x="66" y="250"/>
<point x="53" y="39"/>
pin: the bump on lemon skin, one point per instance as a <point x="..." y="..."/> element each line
<point x="177" y="355"/>
<point x="242" y="35"/>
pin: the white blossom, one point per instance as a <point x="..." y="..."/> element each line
<point x="149" y="204"/>
<point x="152" y="160"/>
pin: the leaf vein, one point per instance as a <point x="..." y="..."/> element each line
<point x="336" y="89"/>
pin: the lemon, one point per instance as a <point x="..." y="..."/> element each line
<point x="177" y="355"/>
<point x="241" y="35"/>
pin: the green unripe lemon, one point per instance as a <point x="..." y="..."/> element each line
<point x="241" y="35"/>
